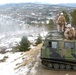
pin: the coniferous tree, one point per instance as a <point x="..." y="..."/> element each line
<point x="51" y="25"/>
<point x="66" y="16"/>
<point x="24" y="44"/>
<point x="39" y="40"/>
<point x="73" y="15"/>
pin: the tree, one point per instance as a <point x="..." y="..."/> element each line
<point x="66" y="16"/>
<point x="51" y="24"/>
<point x="39" y="40"/>
<point x="24" y="44"/>
<point x="73" y="15"/>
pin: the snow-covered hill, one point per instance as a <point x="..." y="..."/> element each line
<point x="12" y="30"/>
<point x="19" y="63"/>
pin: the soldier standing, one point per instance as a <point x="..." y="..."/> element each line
<point x="60" y="22"/>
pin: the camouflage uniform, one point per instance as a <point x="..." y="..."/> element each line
<point x="69" y="33"/>
<point x="60" y="23"/>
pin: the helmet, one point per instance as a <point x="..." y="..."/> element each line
<point x="69" y="25"/>
<point x="73" y="28"/>
<point x="61" y="13"/>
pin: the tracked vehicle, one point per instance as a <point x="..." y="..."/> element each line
<point x="57" y="52"/>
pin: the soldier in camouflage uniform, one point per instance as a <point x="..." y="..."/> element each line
<point x="69" y="33"/>
<point x="60" y="22"/>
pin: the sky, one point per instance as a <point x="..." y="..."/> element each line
<point x="42" y="1"/>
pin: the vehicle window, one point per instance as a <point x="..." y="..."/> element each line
<point x="49" y="44"/>
<point x="69" y="45"/>
<point x="53" y="44"/>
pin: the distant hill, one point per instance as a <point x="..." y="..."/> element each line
<point x="19" y="4"/>
<point x="32" y="12"/>
<point x="67" y="4"/>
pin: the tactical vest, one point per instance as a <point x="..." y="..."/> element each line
<point x="61" y="20"/>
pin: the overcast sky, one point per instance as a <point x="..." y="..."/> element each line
<point x="43" y="1"/>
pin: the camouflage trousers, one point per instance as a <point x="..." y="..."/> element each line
<point x="60" y="28"/>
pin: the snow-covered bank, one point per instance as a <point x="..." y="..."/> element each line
<point x="7" y="67"/>
<point x="19" y="63"/>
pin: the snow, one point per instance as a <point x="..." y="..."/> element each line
<point x="11" y="32"/>
<point x="9" y="49"/>
<point x="33" y="70"/>
<point x="19" y="63"/>
<point x="12" y="39"/>
<point x="13" y="61"/>
<point x="32" y="38"/>
<point x="7" y="67"/>
<point x="10" y="66"/>
<point x="2" y="36"/>
<point x="22" y="71"/>
<point x="1" y="56"/>
<point x="12" y="56"/>
<point x="43" y="35"/>
<point x="32" y="47"/>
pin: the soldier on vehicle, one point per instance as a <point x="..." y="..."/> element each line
<point x="69" y="32"/>
<point x="60" y="22"/>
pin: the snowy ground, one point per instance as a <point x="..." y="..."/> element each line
<point x="11" y="32"/>
<point x="19" y="63"/>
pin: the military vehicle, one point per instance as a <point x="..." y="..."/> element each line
<point x="57" y="52"/>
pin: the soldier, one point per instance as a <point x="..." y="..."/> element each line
<point x="69" y="33"/>
<point x="60" y="22"/>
